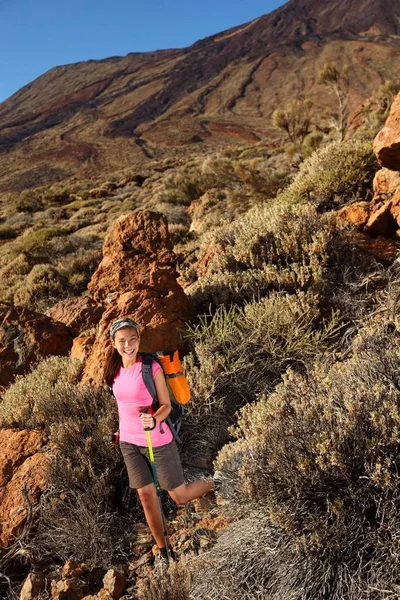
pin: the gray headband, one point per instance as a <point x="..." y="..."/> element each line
<point x="120" y="323"/>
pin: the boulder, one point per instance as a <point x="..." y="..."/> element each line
<point x="32" y="586"/>
<point x="114" y="583"/>
<point x="386" y="183"/>
<point x="27" y="337"/>
<point x="137" y="277"/>
<point x="382" y="222"/>
<point x="357" y="214"/>
<point x="67" y="589"/>
<point x="23" y="472"/>
<point x="387" y="142"/>
<point x="78" y="314"/>
<point x="82" y="347"/>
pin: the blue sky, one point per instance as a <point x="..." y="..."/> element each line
<point x="38" y="35"/>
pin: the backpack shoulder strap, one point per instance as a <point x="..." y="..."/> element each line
<point x="148" y="379"/>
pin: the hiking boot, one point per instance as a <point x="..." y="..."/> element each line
<point x="164" y="561"/>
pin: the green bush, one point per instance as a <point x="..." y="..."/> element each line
<point x="283" y="248"/>
<point x="78" y="269"/>
<point x="321" y="456"/>
<point x="43" y="285"/>
<point x="241" y="353"/>
<point x="85" y="470"/>
<point x="30" y="201"/>
<point x="12" y="275"/>
<point x="7" y="233"/>
<point x="35" y="241"/>
<point x="334" y="175"/>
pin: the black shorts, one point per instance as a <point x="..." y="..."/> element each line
<point x="167" y="461"/>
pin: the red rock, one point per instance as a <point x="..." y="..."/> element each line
<point x="32" y="586"/>
<point x="14" y="507"/>
<point x="79" y="314"/>
<point x="357" y="214"/>
<point x="380" y="247"/>
<point x="74" y="569"/>
<point x="67" y="589"/>
<point x="386" y="182"/>
<point x="137" y="277"/>
<point x="382" y="222"/>
<point x="25" y="338"/>
<point x="114" y="583"/>
<point x="104" y="595"/>
<point x="82" y="347"/>
<point x="16" y="447"/>
<point x="387" y="142"/>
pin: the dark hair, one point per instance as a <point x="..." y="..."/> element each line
<point x="112" y="366"/>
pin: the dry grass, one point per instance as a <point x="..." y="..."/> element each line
<point x="241" y="353"/>
<point x="321" y="456"/>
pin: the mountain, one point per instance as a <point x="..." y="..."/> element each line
<point x="94" y="117"/>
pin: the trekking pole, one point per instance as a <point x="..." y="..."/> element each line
<point x="158" y="489"/>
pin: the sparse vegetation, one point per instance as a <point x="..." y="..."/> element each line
<point x="320" y="455"/>
<point x="241" y="353"/>
<point x="85" y="470"/>
<point x="292" y="362"/>
<point x="337" y="82"/>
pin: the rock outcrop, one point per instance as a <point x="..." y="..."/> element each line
<point x="92" y="118"/>
<point x="23" y="467"/>
<point x="27" y="337"/>
<point x="78" y="314"/>
<point x="381" y="216"/>
<point x="137" y="277"/>
<point x="387" y="142"/>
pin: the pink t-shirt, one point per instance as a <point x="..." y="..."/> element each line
<point x="132" y="395"/>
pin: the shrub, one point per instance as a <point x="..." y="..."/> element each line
<point x="276" y="247"/>
<point x="241" y="353"/>
<point x="243" y="564"/>
<point x="56" y="194"/>
<point x="43" y="285"/>
<point x="29" y="201"/>
<point x="321" y="456"/>
<point x="7" y="233"/>
<point x="78" y="269"/>
<point x="34" y="241"/>
<point x="174" y="584"/>
<point x="12" y="275"/>
<point x="334" y="175"/>
<point x="85" y="473"/>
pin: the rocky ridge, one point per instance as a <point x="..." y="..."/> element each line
<point x="99" y="116"/>
<point x="380" y="217"/>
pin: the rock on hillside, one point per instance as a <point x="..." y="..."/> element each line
<point x="387" y="142"/>
<point x="381" y="216"/>
<point x="25" y="338"/>
<point x="23" y="468"/>
<point x="93" y="117"/>
<point x="137" y="277"/>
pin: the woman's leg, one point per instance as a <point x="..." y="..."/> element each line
<point x="151" y="507"/>
<point x="189" y="491"/>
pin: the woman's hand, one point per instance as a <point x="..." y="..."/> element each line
<point x="148" y="421"/>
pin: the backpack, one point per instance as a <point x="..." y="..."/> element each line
<point x="177" y="385"/>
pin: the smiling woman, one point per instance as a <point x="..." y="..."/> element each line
<point x="146" y="442"/>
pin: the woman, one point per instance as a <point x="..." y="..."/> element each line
<point x="123" y="374"/>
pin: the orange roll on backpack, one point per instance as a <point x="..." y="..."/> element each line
<point x="177" y="384"/>
<point x="174" y="375"/>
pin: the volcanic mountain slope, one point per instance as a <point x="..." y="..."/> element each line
<point x="98" y="116"/>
